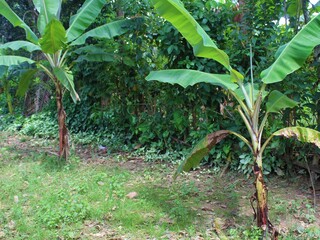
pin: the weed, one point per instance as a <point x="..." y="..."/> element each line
<point x="252" y="233"/>
<point x="310" y="214"/>
<point x="67" y="209"/>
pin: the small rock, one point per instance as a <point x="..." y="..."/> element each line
<point x="102" y="149"/>
<point x="16" y="199"/>
<point x="132" y="195"/>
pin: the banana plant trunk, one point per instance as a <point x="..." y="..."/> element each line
<point x="63" y="131"/>
<point x="261" y="196"/>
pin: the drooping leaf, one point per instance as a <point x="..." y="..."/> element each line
<point x="201" y="150"/>
<point x="278" y="101"/>
<point x="48" y="10"/>
<point x="54" y="37"/>
<point x="185" y="78"/>
<point x="16" y="21"/>
<point x="8" y="60"/>
<point x="83" y="18"/>
<point x="16" y="45"/>
<point x="106" y="31"/>
<point x="25" y="81"/>
<point x="294" y="53"/>
<point x="300" y="133"/>
<point x="66" y="78"/>
<point x="203" y="46"/>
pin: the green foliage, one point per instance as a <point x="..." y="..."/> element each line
<point x="16" y="21"/>
<point x="38" y="125"/>
<point x="63" y="209"/>
<point x="119" y="110"/>
<point x="54" y="37"/>
<point x="278" y="101"/>
<point x="247" y="234"/>
<point x="245" y="163"/>
<point x="294" y="54"/>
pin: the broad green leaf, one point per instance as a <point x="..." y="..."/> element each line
<point x="187" y="78"/>
<point x="278" y="101"/>
<point x="107" y="31"/>
<point x="203" y="46"/>
<point x="83" y="18"/>
<point x="25" y="81"/>
<point x="66" y="78"/>
<point x="54" y="37"/>
<point x="294" y="53"/>
<point x="300" y="133"/>
<point x="16" y="45"/>
<point x="201" y="150"/>
<point x="16" y="21"/>
<point x="9" y="60"/>
<point x="48" y="10"/>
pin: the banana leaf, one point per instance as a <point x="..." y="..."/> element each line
<point x="16" y="21"/>
<point x="294" y="54"/>
<point x="83" y="18"/>
<point x="185" y="78"/>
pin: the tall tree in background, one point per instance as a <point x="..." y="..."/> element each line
<point x="54" y="44"/>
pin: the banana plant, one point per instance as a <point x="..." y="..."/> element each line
<point x="249" y="98"/>
<point x="51" y="45"/>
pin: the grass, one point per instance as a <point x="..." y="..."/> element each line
<point x="42" y="198"/>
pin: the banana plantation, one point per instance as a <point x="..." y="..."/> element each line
<point x="160" y="119"/>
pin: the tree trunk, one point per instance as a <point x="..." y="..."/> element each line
<point x="63" y="131"/>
